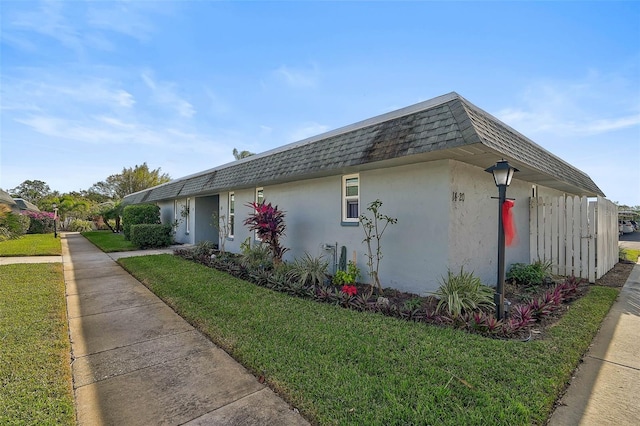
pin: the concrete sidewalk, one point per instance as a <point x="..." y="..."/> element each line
<point x="605" y="389"/>
<point x="136" y="362"/>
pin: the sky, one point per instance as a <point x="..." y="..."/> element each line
<point x="88" y="88"/>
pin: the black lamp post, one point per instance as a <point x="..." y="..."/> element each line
<point x="55" y="218"/>
<point x="502" y="174"/>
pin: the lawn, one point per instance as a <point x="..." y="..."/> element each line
<point x="630" y="254"/>
<point x="32" y="245"/>
<point x="339" y="366"/>
<point x="109" y="242"/>
<point x="35" y="369"/>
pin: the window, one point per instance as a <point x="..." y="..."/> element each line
<point x="350" y="198"/>
<point x="259" y="195"/>
<point x="259" y="200"/>
<point x="188" y="213"/>
<point x="232" y="213"/>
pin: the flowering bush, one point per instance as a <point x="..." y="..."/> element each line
<point x="268" y="222"/>
<point x="41" y="222"/>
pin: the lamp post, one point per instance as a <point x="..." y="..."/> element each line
<point x="502" y="174"/>
<point x="55" y="218"/>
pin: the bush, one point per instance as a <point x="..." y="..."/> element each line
<point x="12" y="225"/>
<point x="41" y="222"/>
<point x="148" y="214"/>
<point x="257" y="257"/>
<point x="309" y="270"/>
<point x="151" y="235"/>
<point x="79" y="225"/>
<point x="462" y="293"/>
<point x="347" y="277"/>
<point x="533" y="274"/>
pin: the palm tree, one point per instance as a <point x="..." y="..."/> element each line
<point x="242" y="154"/>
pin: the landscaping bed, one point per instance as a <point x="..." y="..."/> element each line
<point x="535" y="303"/>
<point x="341" y="366"/>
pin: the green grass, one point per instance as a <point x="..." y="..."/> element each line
<point x="351" y="368"/>
<point x="35" y="370"/>
<point x="109" y="242"/>
<point x="630" y="254"/>
<point x="32" y="245"/>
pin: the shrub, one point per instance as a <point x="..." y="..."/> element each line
<point x="268" y="222"/>
<point x="204" y="248"/>
<point x="533" y="274"/>
<point x="347" y="277"/>
<point x="146" y="235"/>
<point x="41" y="222"/>
<point x="462" y="293"/>
<point x="309" y="270"/>
<point x="139" y="214"/>
<point x="12" y="225"/>
<point x="256" y="257"/>
<point x="79" y="225"/>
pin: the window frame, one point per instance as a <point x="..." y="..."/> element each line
<point x="188" y="217"/>
<point x="350" y="198"/>
<point x="258" y="193"/>
<point x="175" y="210"/>
<point x="231" y="199"/>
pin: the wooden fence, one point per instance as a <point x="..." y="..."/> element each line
<point x="579" y="237"/>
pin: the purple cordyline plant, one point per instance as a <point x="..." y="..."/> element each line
<point x="268" y="222"/>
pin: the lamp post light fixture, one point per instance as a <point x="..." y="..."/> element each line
<point x="502" y="174"/>
<point x="55" y="218"/>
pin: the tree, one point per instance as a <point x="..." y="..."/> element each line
<point x="268" y="222"/>
<point x="373" y="230"/>
<point x="132" y="179"/>
<point x="31" y="190"/>
<point x="242" y="154"/>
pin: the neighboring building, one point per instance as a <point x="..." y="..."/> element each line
<point x="25" y="205"/>
<point x="425" y="162"/>
<point x="6" y="199"/>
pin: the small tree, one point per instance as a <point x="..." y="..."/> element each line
<point x="268" y="222"/>
<point x="220" y="223"/>
<point x="373" y="230"/>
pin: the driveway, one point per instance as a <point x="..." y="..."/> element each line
<point x="630" y="241"/>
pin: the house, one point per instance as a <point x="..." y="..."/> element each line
<point x="7" y="200"/>
<point x="25" y="205"/>
<point x="425" y="162"/>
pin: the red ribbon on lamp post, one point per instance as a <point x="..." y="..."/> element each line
<point x="508" y="223"/>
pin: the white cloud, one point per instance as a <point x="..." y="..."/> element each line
<point x="298" y="78"/>
<point x="576" y="108"/>
<point x="165" y="94"/>
<point x="41" y="91"/>
<point x="307" y="130"/>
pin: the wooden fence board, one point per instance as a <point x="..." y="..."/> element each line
<point x="579" y="237"/>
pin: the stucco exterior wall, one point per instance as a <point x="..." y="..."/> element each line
<point x="473" y="226"/>
<point x="447" y="219"/>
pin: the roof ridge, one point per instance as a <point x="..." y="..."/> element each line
<point x="381" y="118"/>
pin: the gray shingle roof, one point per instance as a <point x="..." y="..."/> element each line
<point x="26" y="205"/>
<point x="5" y="198"/>
<point x="445" y="127"/>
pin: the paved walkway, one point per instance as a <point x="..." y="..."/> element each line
<point x="605" y="389"/>
<point x="136" y="362"/>
<point x="139" y="363"/>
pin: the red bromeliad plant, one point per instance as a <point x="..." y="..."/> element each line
<point x="268" y="222"/>
<point x="351" y="290"/>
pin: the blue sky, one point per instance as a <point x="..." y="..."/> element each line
<point x="88" y="88"/>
